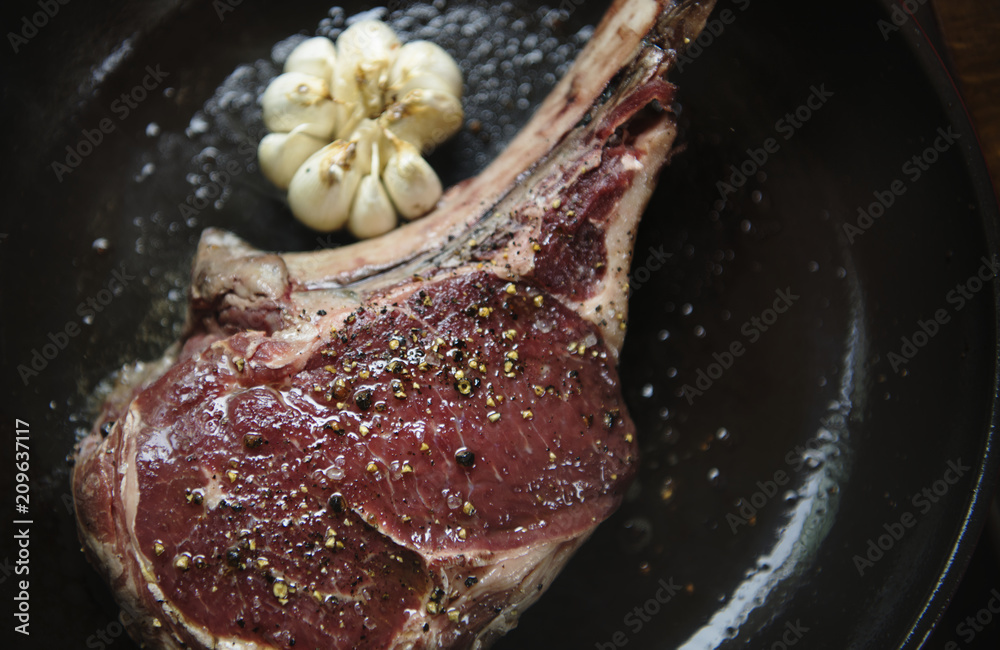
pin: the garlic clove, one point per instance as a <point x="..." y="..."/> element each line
<point x="365" y="53"/>
<point x="410" y="181"/>
<point x="424" y="118"/>
<point x="293" y="99"/>
<point x="422" y="64"/>
<point x="314" y="56"/>
<point x="372" y="213"/>
<point x="321" y="191"/>
<point x="281" y="154"/>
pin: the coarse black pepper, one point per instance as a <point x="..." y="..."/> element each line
<point x="465" y="458"/>
<point x="363" y="398"/>
<point x="253" y="440"/>
<point x="337" y="504"/>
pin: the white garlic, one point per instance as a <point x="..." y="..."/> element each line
<point x="372" y="213"/>
<point x="410" y="180"/>
<point x="422" y="64"/>
<point x="293" y="99"/>
<point x="384" y="103"/>
<point x="322" y="189"/>
<point x="316" y="56"/>
<point x="280" y="154"/>
<point x="424" y="118"/>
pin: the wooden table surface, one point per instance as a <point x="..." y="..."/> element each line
<point x="971" y="31"/>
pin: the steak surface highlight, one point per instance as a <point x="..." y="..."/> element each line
<point x="399" y="443"/>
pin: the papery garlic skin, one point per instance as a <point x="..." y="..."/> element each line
<point x="294" y="99"/>
<point x="281" y="154"/>
<point x="424" y="118"/>
<point x="410" y="181"/>
<point x="322" y="189"/>
<point x="315" y="56"/>
<point x="422" y="64"/>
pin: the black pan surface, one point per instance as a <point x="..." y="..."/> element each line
<point x="809" y="478"/>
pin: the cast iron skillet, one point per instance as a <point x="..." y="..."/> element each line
<point x="813" y="402"/>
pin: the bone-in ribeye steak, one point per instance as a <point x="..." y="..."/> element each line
<point x="397" y="444"/>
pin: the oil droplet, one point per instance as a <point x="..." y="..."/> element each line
<point x="813" y="267"/>
<point x="663" y="335"/>
<point x="722" y="433"/>
<point x="667" y="489"/>
<point x="756" y="196"/>
<point x="686" y="309"/>
<point x="714" y="476"/>
<point x="101" y="245"/>
<point x="647" y="390"/>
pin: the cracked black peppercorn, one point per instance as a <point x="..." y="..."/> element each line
<point x="465" y="458"/>
<point x="363" y="398"/>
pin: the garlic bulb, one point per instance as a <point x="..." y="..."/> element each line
<point x="410" y="181"/>
<point x="294" y="99"/>
<point x="322" y="189"/>
<point x="314" y="56"/>
<point x="280" y="154"/>
<point x="385" y="103"/>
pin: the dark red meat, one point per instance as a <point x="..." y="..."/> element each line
<point x="396" y="444"/>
